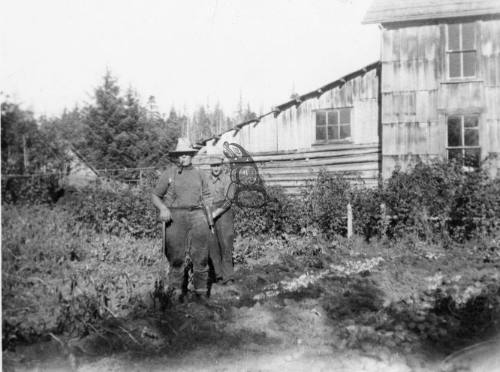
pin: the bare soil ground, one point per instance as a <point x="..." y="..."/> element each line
<point x="424" y="309"/>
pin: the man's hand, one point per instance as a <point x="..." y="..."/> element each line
<point x="217" y="213"/>
<point x="165" y="214"/>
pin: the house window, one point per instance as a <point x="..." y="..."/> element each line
<point x="461" y="50"/>
<point x="333" y="125"/>
<point x="463" y="139"/>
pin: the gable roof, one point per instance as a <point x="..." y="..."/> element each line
<point x="387" y="11"/>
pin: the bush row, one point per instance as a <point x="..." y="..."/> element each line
<point x="437" y="200"/>
<point x="432" y="200"/>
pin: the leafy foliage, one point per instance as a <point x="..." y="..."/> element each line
<point x="58" y="276"/>
<point x="65" y="129"/>
<point x="31" y="190"/>
<point x="25" y="148"/>
<point x="277" y="216"/>
<point x="119" y="132"/>
<point x="61" y="277"/>
<point x="120" y="210"/>
<point x="431" y="201"/>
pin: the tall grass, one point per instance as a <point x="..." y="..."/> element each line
<point x="58" y="275"/>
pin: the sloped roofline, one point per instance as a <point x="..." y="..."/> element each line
<point x="81" y="158"/>
<point x="297" y="100"/>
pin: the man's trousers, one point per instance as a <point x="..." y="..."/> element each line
<point x="187" y="234"/>
<point x="221" y="246"/>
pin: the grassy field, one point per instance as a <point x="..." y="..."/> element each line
<point x="76" y="299"/>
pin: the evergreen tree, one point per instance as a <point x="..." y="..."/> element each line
<point x="243" y="112"/>
<point x="67" y="129"/>
<point x="201" y="124"/>
<point x="102" y="120"/>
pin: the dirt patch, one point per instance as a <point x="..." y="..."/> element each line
<point x="357" y="311"/>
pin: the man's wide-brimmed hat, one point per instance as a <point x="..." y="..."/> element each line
<point x="183" y="147"/>
<point x="215" y="160"/>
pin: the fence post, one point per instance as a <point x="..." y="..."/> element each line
<point x="349" y="220"/>
<point x="383" y="216"/>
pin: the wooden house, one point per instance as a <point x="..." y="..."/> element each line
<point x="335" y="127"/>
<point x="434" y="94"/>
<point x="440" y="81"/>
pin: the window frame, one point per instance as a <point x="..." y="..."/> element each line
<point x="463" y="147"/>
<point x="339" y="125"/>
<point x="461" y="51"/>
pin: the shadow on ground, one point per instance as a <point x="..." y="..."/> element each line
<point x="276" y="307"/>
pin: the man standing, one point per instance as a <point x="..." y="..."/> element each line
<point x="179" y="196"/>
<point x="221" y="244"/>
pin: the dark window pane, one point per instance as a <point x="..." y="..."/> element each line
<point x="320" y="133"/>
<point x="455" y="154"/>
<point x="472" y="157"/>
<point x="320" y="118"/>
<point x="455" y="61"/>
<point x="333" y="132"/>
<point x="454" y="132"/>
<point x="471" y="121"/>
<point x="345" y="131"/>
<point x="469" y="63"/>
<point x="453" y="37"/>
<point x="333" y="118"/>
<point x="471" y="137"/>
<point x="345" y="116"/>
<point x="468" y="36"/>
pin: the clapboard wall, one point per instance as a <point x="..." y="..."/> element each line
<point x="284" y="145"/>
<point x="417" y="95"/>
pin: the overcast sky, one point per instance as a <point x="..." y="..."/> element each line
<point x="55" y="52"/>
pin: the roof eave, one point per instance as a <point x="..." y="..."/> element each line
<point x="329" y="86"/>
<point x="416" y="18"/>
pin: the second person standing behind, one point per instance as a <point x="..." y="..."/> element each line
<point x="221" y="244"/>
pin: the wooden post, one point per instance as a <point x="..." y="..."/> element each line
<point x="25" y="154"/>
<point x="349" y="220"/>
<point x="383" y="216"/>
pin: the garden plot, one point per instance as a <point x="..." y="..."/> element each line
<point x="350" y="306"/>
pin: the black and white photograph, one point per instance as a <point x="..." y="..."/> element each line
<point x="250" y="185"/>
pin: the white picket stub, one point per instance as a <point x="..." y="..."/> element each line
<point x="349" y="220"/>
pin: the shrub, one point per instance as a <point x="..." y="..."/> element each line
<point x="412" y="197"/>
<point x="276" y="216"/>
<point x="32" y="190"/>
<point x="326" y="202"/>
<point x="116" y="211"/>
<point x="476" y="207"/>
<point x="320" y="206"/>
<point x="439" y="198"/>
<point x="367" y="214"/>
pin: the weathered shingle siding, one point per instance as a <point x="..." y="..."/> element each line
<point x="284" y="146"/>
<point x="417" y="95"/>
<point x="389" y="11"/>
<point x="490" y="67"/>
